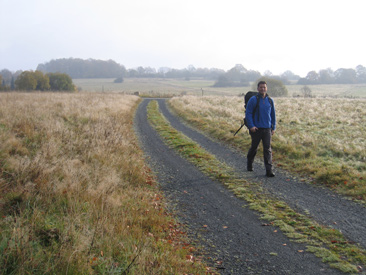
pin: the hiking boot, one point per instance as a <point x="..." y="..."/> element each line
<point x="270" y="174"/>
<point x="250" y="167"/>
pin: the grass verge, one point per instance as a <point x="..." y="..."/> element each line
<point x="324" y="242"/>
<point x="75" y="194"/>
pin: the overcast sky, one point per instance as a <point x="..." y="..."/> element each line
<point x="300" y="36"/>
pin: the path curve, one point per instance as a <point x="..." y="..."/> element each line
<point x="232" y="236"/>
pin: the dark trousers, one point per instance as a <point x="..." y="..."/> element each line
<point x="264" y="135"/>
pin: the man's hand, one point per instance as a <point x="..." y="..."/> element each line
<point x="253" y="129"/>
<point x="273" y="131"/>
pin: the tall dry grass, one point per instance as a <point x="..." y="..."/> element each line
<point x="75" y="194"/>
<point x="322" y="137"/>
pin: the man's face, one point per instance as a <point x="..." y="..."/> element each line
<point x="262" y="89"/>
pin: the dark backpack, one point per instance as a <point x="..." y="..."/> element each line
<point x="248" y="96"/>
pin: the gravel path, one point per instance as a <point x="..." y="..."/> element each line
<point x="233" y="237"/>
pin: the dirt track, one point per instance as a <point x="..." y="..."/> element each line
<point x="233" y="237"/>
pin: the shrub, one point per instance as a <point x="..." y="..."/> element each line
<point x="61" y="82"/>
<point x="118" y="80"/>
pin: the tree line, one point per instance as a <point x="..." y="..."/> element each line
<point x="36" y="80"/>
<point x="340" y="76"/>
<point x="92" y="68"/>
<point x="239" y="76"/>
<point x="235" y="77"/>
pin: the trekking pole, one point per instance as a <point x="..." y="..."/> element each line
<point x="239" y="128"/>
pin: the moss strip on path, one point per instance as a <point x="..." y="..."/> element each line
<point x="324" y="242"/>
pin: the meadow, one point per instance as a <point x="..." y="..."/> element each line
<point x="322" y="139"/>
<point x="76" y="196"/>
<point x="199" y="87"/>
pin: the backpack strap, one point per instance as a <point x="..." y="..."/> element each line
<point x="257" y="105"/>
<point x="270" y="100"/>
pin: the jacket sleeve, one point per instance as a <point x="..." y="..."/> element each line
<point x="249" y="111"/>
<point x="273" y="116"/>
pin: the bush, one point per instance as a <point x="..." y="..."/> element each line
<point x="26" y="81"/>
<point x="306" y="91"/>
<point x="43" y="82"/>
<point x="118" y="80"/>
<point x="61" y="82"/>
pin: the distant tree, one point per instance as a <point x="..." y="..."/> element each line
<point x="43" y="81"/>
<point x="208" y="73"/>
<point x="174" y="73"/>
<point x="1" y="81"/>
<point x="141" y="71"/>
<point x="187" y="75"/>
<point x="17" y="74"/>
<point x="12" y="83"/>
<point x="26" y="81"/>
<point x="235" y="74"/>
<point x="283" y="79"/>
<point x="345" y="76"/>
<point x="133" y="73"/>
<point x="235" y="77"/>
<point x="164" y="70"/>
<point x="326" y="76"/>
<point x="79" y="68"/>
<point x="150" y="72"/>
<point x="289" y="75"/>
<point x="306" y="91"/>
<point x="252" y="75"/>
<point x="6" y="76"/>
<point x="61" y="82"/>
<point x="275" y="86"/>
<point x="240" y="68"/>
<point x="311" y="78"/>
<point x="191" y="68"/>
<point x="268" y="73"/>
<point x="361" y="74"/>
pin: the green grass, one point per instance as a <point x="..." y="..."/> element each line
<point x="324" y="242"/>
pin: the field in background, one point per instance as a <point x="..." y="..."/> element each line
<point x="322" y="138"/>
<point x="164" y="86"/>
<point x="75" y="194"/>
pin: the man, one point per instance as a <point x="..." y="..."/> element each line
<point x="261" y="121"/>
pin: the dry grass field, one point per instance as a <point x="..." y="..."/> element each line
<point x="75" y="194"/>
<point x="322" y="138"/>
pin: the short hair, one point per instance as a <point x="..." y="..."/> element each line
<point x="261" y="82"/>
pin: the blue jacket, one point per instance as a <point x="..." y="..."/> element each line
<point x="265" y="115"/>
